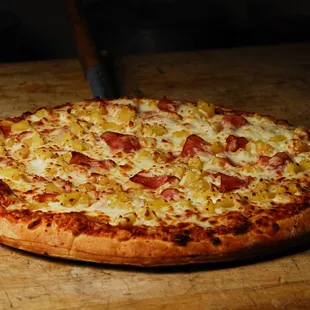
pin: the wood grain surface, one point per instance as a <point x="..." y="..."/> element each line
<point x="270" y="80"/>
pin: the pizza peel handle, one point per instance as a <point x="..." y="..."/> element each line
<point x="94" y="69"/>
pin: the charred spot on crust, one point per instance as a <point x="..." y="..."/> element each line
<point x="242" y="229"/>
<point x="21" y="117"/>
<point x="34" y="223"/>
<point x="180" y="239"/>
<point x="275" y="226"/>
<point x="282" y="122"/>
<point x="5" y="189"/>
<point x="216" y="241"/>
<point x="218" y="111"/>
<point x="261" y="222"/>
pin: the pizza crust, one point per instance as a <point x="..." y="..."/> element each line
<point x="52" y="241"/>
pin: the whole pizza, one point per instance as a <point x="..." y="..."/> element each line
<point x="152" y="182"/>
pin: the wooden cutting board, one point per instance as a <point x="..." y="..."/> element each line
<point x="272" y="80"/>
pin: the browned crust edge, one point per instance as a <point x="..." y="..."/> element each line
<point x="53" y="241"/>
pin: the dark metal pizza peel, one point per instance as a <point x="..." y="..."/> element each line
<point x="95" y="70"/>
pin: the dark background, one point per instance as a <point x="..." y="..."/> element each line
<point x="36" y="29"/>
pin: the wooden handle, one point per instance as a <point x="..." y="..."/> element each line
<point x="86" y="47"/>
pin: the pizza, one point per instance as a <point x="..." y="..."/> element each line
<point x="152" y="182"/>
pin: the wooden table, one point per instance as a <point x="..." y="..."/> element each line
<point x="272" y="80"/>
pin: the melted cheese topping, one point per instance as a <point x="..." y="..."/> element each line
<point x="37" y="162"/>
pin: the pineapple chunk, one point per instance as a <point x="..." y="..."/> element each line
<point x="178" y="171"/>
<point x="128" y="219"/>
<point x="263" y="197"/>
<point x="149" y="214"/>
<point x="69" y="141"/>
<point x="35" y="141"/>
<point x="292" y="168"/>
<point x="154" y="130"/>
<point x="195" y="163"/>
<point x="225" y="203"/>
<point x="114" y="186"/>
<point x="52" y="188"/>
<point x="96" y="118"/>
<point x="65" y="138"/>
<point x="87" y="187"/>
<point x="305" y="164"/>
<point x="22" y="152"/>
<point x="292" y="188"/>
<point x="181" y="134"/>
<point x="217" y="147"/>
<point x="126" y="114"/>
<point x="261" y="148"/>
<point x="277" y="189"/>
<point x="77" y="145"/>
<point x="66" y="157"/>
<point x="277" y="138"/>
<point x="122" y="197"/>
<point x="156" y="204"/>
<point x="119" y="200"/>
<point x="250" y="168"/>
<point x="10" y="142"/>
<point x="41" y="113"/>
<point x="219" y="161"/>
<point x="210" y="207"/>
<point x="21" y="126"/>
<point x="206" y="110"/>
<point x="83" y="201"/>
<point x="202" y="185"/>
<point x="260" y="192"/>
<point x="201" y="190"/>
<point x="68" y="199"/>
<point x="144" y="155"/>
<point x="111" y="126"/>
<point x="44" y="153"/>
<point x="149" y="142"/>
<point x="76" y="128"/>
<point x="260" y="187"/>
<point x="2" y="150"/>
<point x="6" y="123"/>
<point x="10" y="173"/>
<point x="74" y="199"/>
<point x="283" y="198"/>
<point x="185" y="204"/>
<point x="101" y="179"/>
<point x="189" y="178"/>
<point x="52" y="171"/>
